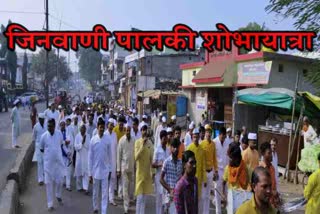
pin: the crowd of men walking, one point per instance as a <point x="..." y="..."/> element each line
<point x="109" y="147"/>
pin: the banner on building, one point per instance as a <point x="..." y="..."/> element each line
<point x="257" y="72"/>
<point x="201" y="103"/>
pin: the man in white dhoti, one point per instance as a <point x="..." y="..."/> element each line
<point x="15" y="120"/>
<point x="38" y="130"/>
<point x="50" y="145"/>
<point x="99" y="164"/>
<point x="81" y="146"/>
<point x="113" y="140"/>
<point x="125" y="165"/>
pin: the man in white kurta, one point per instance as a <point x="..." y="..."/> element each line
<point x="135" y="132"/>
<point x="50" y="145"/>
<point x="125" y="165"/>
<point x="99" y="164"/>
<point x="162" y="126"/>
<point x="160" y="155"/>
<point x="15" y="120"/>
<point x="52" y="113"/>
<point x="81" y="146"/>
<point x="187" y="138"/>
<point x="222" y="146"/>
<point x="114" y="144"/>
<point x="37" y="132"/>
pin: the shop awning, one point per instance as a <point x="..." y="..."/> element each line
<point x="213" y="72"/>
<point x="281" y="100"/>
<point x="273" y="97"/>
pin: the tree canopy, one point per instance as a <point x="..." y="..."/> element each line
<point x="307" y="17"/>
<point x="305" y="13"/>
<point x="90" y="65"/>
<point x="56" y="67"/>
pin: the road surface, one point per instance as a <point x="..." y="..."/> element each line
<point x="7" y="153"/>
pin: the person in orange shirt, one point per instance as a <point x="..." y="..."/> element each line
<point x="251" y="155"/>
<point x="266" y="152"/>
<point x="177" y="135"/>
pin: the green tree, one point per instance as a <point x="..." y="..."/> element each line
<point x="25" y="71"/>
<point x="11" y="56"/>
<point x="252" y="26"/>
<point x="90" y="65"/>
<point x="305" y="13"/>
<point x="307" y="17"/>
<point x="38" y="65"/>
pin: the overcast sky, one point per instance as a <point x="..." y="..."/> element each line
<point x="142" y="14"/>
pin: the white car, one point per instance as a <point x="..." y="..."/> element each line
<point x="28" y="95"/>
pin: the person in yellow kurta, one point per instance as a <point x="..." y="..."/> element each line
<point x="211" y="167"/>
<point x="251" y="155"/>
<point x="120" y="132"/>
<point x="312" y="192"/>
<point x="200" y="158"/>
<point x="143" y="153"/>
<point x="119" y="129"/>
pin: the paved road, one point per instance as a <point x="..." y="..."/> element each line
<point x="7" y="154"/>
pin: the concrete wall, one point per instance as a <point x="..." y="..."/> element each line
<point x="167" y="66"/>
<point x="194" y="112"/>
<point x="187" y="76"/>
<point x="287" y="78"/>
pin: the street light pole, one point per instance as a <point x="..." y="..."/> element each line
<point x="47" y="56"/>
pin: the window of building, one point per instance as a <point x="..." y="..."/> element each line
<point x="280" y="68"/>
<point x="193" y="95"/>
<point x="194" y="73"/>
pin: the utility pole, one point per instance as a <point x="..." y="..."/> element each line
<point x="47" y="56"/>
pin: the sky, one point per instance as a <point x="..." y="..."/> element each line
<point x="141" y="14"/>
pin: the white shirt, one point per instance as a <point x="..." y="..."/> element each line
<point x="187" y="140"/>
<point x="52" y="115"/>
<point x="90" y="128"/>
<point x="221" y="152"/>
<point x="275" y="165"/>
<point x="157" y="136"/>
<point x="159" y="156"/>
<point x="53" y="161"/>
<point x="112" y="138"/>
<point x="38" y="130"/>
<point x="125" y="155"/>
<point x="82" y="150"/>
<point x="142" y="124"/>
<point x="134" y="135"/>
<point x="99" y="156"/>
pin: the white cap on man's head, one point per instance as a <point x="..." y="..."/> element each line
<point x="60" y="107"/>
<point x="164" y="119"/>
<point x="160" y="114"/>
<point x="195" y="131"/>
<point x="169" y="129"/>
<point x="173" y="117"/>
<point x="144" y="116"/>
<point x="252" y="136"/>
<point x="229" y="129"/>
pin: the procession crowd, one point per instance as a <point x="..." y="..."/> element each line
<point x="114" y="151"/>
